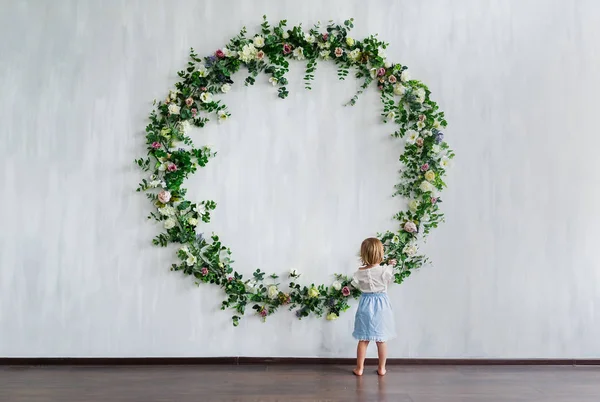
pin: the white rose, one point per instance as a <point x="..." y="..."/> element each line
<point x="285" y="35"/>
<point x="273" y="291"/>
<point x="273" y="81"/>
<point x="336" y="285"/>
<point x="391" y="115"/>
<point x="174" y="109"/>
<point x="405" y="76"/>
<point x="410" y="249"/>
<point x="399" y="89"/>
<point x="193" y="221"/>
<point x="206" y="97"/>
<point x="202" y="71"/>
<point x="191" y="260"/>
<point x="169" y="223"/>
<point x="412" y="136"/>
<point x="387" y="64"/>
<point x="299" y="53"/>
<point x="414" y="205"/>
<point x="225" y="88"/>
<point x="420" y="94"/>
<point x="309" y="38"/>
<point x="259" y="41"/>
<point x="426" y="187"/>
<point x="164" y="196"/>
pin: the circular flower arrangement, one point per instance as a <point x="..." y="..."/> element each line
<point x="172" y="157"/>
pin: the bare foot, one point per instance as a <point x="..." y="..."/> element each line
<point x="357" y="372"/>
<point x="381" y="372"/>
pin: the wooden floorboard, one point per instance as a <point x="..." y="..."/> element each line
<point x="296" y="383"/>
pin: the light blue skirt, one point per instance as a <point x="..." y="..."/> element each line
<point x="374" y="320"/>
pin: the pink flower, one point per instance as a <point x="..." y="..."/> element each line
<point x="260" y="55"/>
<point x="164" y="196"/>
<point x="422" y="117"/>
<point x="419" y="142"/>
<point x="287" y="49"/>
<point x="339" y="52"/>
<point x="433" y="200"/>
<point x="189" y="101"/>
<point x="219" y="53"/>
<point x="325" y="37"/>
<point x="410" y="227"/>
<point x="425" y="167"/>
<point x="263" y="312"/>
<point x="171" y="167"/>
<point x="381" y="71"/>
<point x="204" y="271"/>
<point x="392" y="79"/>
<point x="156" y="145"/>
<point x="380" y="87"/>
<point x="230" y="278"/>
<point x="203" y="89"/>
<point x="346" y="291"/>
<point x="194" y="112"/>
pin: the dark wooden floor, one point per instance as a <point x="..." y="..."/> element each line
<point x="271" y="383"/>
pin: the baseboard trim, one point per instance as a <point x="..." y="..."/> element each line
<point x="180" y="361"/>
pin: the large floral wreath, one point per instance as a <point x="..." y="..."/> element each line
<point x="172" y="157"/>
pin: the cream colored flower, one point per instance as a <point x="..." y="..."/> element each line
<point x="169" y="223"/>
<point x="355" y="55"/>
<point x="313" y="292"/>
<point x="299" y="53"/>
<point x="436" y="124"/>
<point x="405" y="76"/>
<point x="273" y="81"/>
<point x="413" y="205"/>
<point x="309" y="38"/>
<point x="324" y="54"/>
<point x="399" y="89"/>
<point x="259" y="41"/>
<point x="445" y="162"/>
<point x="193" y="221"/>
<point x="225" y="88"/>
<point x="202" y="71"/>
<point x="222" y="116"/>
<point x="411" y="136"/>
<point x="285" y="35"/>
<point x="206" y="97"/>
<point x="430" y="175"/>
<point x="248" y="53"/>
<point x="272" y="292"/>
<point x="349" y="41"/>
<point x="174" y="109"/>
<point x="420" y="125"/>
<point x="426" y="187"/>
<point x="167" y="210"/>
<point x="391" y="115"/>
<point x="410" y="249"/>
<point x="336" y="285"/>
<point x="332" y="316"/>
<point x="191" y="260"/>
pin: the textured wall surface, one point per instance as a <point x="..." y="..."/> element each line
<point x="300" y="182"/>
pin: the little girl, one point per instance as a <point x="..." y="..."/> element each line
<point x="374" y="319"/>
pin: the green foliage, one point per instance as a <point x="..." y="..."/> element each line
<point x="172" y="157"/>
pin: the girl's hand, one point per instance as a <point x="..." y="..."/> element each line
<point x="392" y="262"/>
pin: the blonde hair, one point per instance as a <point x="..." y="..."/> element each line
<point x="371" y="251"/>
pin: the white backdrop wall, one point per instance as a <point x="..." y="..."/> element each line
<point x="300" y="182"/>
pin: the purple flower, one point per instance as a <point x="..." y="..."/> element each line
<point x="331" y="301"/>
<point x="439" y="137"/>
<point x="156" y="145"/>
<point x="381" y="71"/>
<point x="263" y="312"/>
<point x="425" y="167"/>
<point x="210" y="61"/>
<point x="299" y="313"/>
